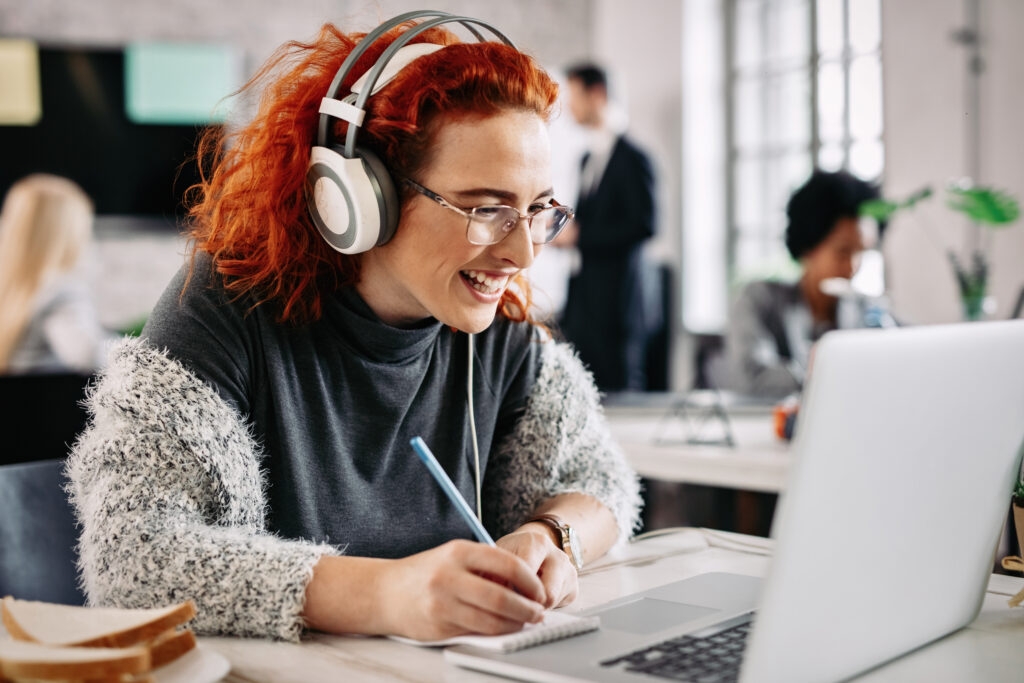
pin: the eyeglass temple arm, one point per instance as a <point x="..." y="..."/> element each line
<point x="430" y="194"/>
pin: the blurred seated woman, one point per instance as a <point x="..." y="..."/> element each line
<point x="48" y="323"/>
<point x="251" y="450"/>
<point x="773" y="325"/>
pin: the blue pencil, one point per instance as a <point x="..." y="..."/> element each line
<point x="448" y="487"/>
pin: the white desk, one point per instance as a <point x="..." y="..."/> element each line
<point x="757" y="462"/>
<point x="989" y="650"/>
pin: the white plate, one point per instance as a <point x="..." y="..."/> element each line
<point x="200" y="665"/>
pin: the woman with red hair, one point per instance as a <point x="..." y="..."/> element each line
<point x="251" y="450"/>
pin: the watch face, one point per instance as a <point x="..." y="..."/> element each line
<point x="575" y="552"/>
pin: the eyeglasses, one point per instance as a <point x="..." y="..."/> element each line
<point x="491" y="224"/>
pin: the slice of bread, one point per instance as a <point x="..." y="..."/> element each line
<point x="162" y="650"/>
<point x="20" y="660"/>
<point x="53" y="624"/>
<point x="169" y="646"/>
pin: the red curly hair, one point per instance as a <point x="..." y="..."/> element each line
<point x="249" y="210"/>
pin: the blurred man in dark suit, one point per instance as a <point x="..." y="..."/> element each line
<point x="605" y="313"/>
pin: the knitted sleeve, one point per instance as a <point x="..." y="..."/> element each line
<point x="561" y="444"/>
<point x="167" y="488"/>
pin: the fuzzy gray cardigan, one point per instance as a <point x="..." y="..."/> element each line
<point x="167" y="487"/>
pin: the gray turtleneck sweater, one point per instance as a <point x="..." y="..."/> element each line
<point x="335" y="403"/>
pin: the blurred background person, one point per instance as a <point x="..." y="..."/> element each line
<point x="48" y="322"/>
<point x="604" y="314"/>
<point x="773" y="324"/>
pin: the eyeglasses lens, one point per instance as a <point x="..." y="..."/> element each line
<point x="490" y="227"/>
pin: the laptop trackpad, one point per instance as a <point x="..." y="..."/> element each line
<point x="648" y="615"/>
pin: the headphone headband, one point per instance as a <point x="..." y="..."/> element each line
<point x="350" y="195"/>
<point x="440" y="18"/>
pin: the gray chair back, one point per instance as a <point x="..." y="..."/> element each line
<point x="37" y="534"/>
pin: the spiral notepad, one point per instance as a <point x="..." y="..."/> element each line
<point x="556" y="625"/>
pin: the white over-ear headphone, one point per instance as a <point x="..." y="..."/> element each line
<point x="351" y="197"/>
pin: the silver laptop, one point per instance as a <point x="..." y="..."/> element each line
<point x="906" y="449"/>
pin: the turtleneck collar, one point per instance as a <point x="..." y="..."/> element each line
<point x="371" y="337"/>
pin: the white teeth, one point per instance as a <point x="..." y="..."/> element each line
<point x="484" y="283"/>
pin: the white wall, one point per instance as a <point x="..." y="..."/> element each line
<point x="552" y="31"/>
<point x="926" y="124"/>
<point x="640" y="43"/>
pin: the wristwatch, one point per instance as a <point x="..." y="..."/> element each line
<point x="567" y="538"/>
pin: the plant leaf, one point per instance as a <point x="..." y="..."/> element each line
<point x="883" y="209"/>
<point x="924" y="193"/>
<point x="879" y="209"/>
<point x="984" y="205"/>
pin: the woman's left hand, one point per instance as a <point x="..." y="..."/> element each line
<point x="533" y="544"/>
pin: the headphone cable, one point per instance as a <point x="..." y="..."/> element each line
<point x="472" y="427"/>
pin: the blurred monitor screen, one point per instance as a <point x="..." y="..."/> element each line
<point x="85" y="134"/>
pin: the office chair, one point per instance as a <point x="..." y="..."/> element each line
<point x="37" y="534"/>
<point x="708" y="356"/>
<point x="40" y="415"/>
<point x="660" y="310"/>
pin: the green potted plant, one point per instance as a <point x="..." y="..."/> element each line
<point x="984" y="206"/>
<point x="992" y="209"/>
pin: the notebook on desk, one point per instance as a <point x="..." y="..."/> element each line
<point x="555" y="626"/>
<point x="908" y="443"/>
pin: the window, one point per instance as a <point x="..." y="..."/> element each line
<point x="804" y="89"/>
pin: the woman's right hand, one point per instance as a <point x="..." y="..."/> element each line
<point x="456" y="588"/>
<point x="460" y="587"/>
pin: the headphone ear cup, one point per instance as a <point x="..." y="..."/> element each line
<point x="349" y="200"/>
<point x="385" y="191"/>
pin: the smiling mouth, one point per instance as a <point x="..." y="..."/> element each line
<point x="483" y="283"/>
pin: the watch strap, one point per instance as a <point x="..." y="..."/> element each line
<point x="554" y="523"/>
<point x="562" y="533"/>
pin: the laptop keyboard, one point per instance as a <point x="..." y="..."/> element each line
<point x="709" y="656"/>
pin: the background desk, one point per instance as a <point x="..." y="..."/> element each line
<point x="990" y="650"/>
<point x="687" y="484"/>
<point x="656" y="448"/>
